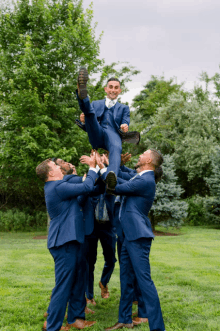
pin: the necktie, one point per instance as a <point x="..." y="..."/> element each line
<point x="111" y="104"/>
<point x="123" y="199"/>
<point x="101" y="213"/>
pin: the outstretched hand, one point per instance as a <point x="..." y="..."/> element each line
<point x="85" y="159"/>
<point x="125" y="158"/>
<point x="124" y="127"/>
<point x="82" y="118"/>
<point x="98" y="160"/>
<point x="104" y="159"/>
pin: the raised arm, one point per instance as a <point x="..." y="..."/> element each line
<point x="68" y="190"/>
<point x="137" y="187"/>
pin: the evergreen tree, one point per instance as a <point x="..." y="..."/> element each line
<point x="168" y="209"/>
<point x="212" y="202"/>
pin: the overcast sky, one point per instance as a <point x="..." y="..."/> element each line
<point x="178" y="38"/>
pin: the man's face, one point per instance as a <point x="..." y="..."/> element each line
<point x="66" y="168"/>
<point x="112" y="89"/>
<point x="144" y="158"/>
<point x="55" y="170"/>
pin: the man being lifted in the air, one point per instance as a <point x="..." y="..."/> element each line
<point x="106" y="122"/>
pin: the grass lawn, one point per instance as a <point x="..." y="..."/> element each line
<point x="185" y="270"/>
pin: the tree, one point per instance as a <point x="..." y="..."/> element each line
<point x="212" y="202"/>
<point x="42" y="45"/>
<point x="154" y="95"/>
<point x="168" y="209"/>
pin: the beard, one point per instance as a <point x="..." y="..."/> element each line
<point x="69" y="172"/>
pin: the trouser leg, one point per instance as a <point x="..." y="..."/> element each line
<point x="66" y="264"/>
<point x="92" y="256"/>
<point x="107" y="238"/>
<point x="139" y="251"/>
<point x="114" y="146"/>
<point x="77" y="300"/>
<point x="127" y="277"/>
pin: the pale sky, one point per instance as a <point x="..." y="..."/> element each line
<point x="178" y="38"/>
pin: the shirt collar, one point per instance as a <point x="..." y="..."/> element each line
<point x="142" y="172"/>
<point x="108" y="100"/>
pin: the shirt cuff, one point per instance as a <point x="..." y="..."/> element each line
<point x="93" y="169"/>
<point x="97" y="167"/>
<point x="103" y="170"/>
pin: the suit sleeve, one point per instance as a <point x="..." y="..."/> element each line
<point x="133" y="187"/>
<point x="121" y="180"/>
<point x="126" y="116"/>
<point x="74" y="179"/>
<point x="68" y="190"/>
<point x="124" y="175"/>
<point x="126" y="169"/>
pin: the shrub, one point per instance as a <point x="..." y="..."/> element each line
<point x="16" y="220"/>
<point x="168" y="209"/>
<point x="196" y="211"/>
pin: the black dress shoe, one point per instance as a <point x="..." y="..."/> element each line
<point x="111" y="181"/>
<point x="82" y="81"/>
<point x="132" y="137"/>
<point x="120" y="326"/>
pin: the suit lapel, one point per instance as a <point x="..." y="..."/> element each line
<point x="117" y="106"/>
<point x="102" y="108"/>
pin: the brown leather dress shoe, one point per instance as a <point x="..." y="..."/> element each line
<point x="44" y="328"/>
<point x="139" y="320"/>
<point x="92" y="301"/>
<point x="104" y="291"/>
<point x="80" y="324"/>
<point x="120" y="326"/>
<point x="89" y="311"/>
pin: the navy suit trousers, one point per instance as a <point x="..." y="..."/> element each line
<point x="136" y="291"/>
<point x="106" y="138"/>
<point x="135" y="262"/>
<point x="106" y="234"/>
<point x="69" y="285"/>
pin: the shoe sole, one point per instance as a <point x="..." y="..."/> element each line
<point x="82" y="81"/>
<point x="111" y="180"/>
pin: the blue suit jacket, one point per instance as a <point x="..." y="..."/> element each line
<point x="121" y="112"/>
<point x="139" y="198"/>
<point x="65" y="212"/>
<point x="126" y="173"/>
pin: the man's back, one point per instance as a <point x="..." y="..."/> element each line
<point x="139" y="196"/>
<point x="65" y="213"/>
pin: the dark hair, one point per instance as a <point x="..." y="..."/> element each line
<point x="158" y="173"/>
<point x="157" y="158"/>
<point x="43" y="169"/>
<point x="114" y="79"/>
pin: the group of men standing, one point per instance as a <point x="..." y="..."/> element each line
<point x="111" y="199"/>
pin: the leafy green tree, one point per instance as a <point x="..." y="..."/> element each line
<point x="154" y="95"/>
<point x="168" y="209"/>
<point x="188" y="130"/>
<point x="42" y="45"/>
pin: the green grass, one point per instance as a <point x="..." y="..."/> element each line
<point x="185" y="270"/>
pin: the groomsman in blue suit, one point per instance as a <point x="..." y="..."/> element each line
<point x="103" y="231"/>
<point x="138" y="198"/>
<point x="105" y="121"/>
<point x="65" y="243"/>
